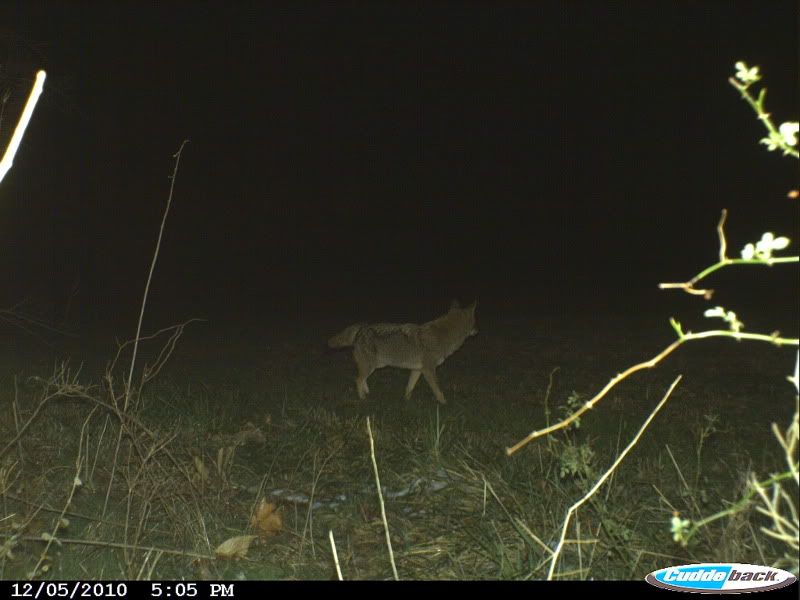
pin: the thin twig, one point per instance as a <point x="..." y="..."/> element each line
<point x="309" y="522"/>
<point x="129" y="381"/>
<point x="683" y="337"/>
<point x="380" y="498"/>
<point x="59" y="393"/>
<point x="104" y="544"/>
<point x="152" y="336"/>
<point x="547" y="396"/>
<point x="76" y="483"/>
<point x="605" y="476"/>
<point x="15" y="317"/>
<point x="724" y="261"/>
<point x="335" y="555"/>
<point x="739" y="505"/>
<point x="763" y="115"/>
<point x="177" y="158"/>
<point x="149" y="372"/>
<point x="723" y="244"/>
<point x="15" y="410"/>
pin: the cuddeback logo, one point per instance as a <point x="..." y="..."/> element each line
<point x="720" y="578"/>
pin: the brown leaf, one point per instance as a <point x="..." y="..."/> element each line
<point x="235" y="547"/>
<point x="266" y="520"/>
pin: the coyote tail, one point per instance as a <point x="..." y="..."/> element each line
<point x="345" y="338"/>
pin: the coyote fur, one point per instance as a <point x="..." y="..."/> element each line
<point x="420" y="348"/>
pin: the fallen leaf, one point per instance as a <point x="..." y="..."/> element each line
<point x="235" y="547"/>
<point x="267" y="520"/>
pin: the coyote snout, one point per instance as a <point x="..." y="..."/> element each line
<point x="420" y="348"/>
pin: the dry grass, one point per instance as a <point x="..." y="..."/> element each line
<point x="91" y="490"/>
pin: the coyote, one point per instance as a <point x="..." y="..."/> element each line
<point x="420" y="348"/>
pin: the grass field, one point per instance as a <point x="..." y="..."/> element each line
<point x="270" y="413"/>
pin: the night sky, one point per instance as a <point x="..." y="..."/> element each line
<point x="374" y="160"/>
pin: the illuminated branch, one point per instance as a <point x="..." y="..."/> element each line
<point x="724" y="261"/>
<point x="13" y="145"/>
<point x="604" y="478"/>
<point x="682" y="338"/>
<point x="776" y="138"/>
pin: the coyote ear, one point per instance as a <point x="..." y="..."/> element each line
<point x="454" y="304"/>
<point x="473" y="306"/>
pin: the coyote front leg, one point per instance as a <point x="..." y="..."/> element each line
<point x="430" y="377"/>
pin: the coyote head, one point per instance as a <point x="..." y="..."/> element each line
<point x="466" y="316"/>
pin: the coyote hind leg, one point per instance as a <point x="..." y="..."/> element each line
<point x="412" y="381"/>
<point x="364" y="371"/>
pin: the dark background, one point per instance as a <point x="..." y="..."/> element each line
<point x="374" y="160"/>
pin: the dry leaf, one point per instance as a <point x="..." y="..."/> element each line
<point x="266" y="520"/>
<point x="235" y="547"/>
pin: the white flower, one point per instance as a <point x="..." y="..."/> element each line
<point x="679" y="527"/>
<point x="745" y="74"/>
<point x="768" y="243"/>
<point x="764" y="245"/>
<point x="779" y="243"/>
<point x="734" y="324"/>
<point x="762" y="250"/>
<point x="773" y="141"/>
<point x="789" y="131"/>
